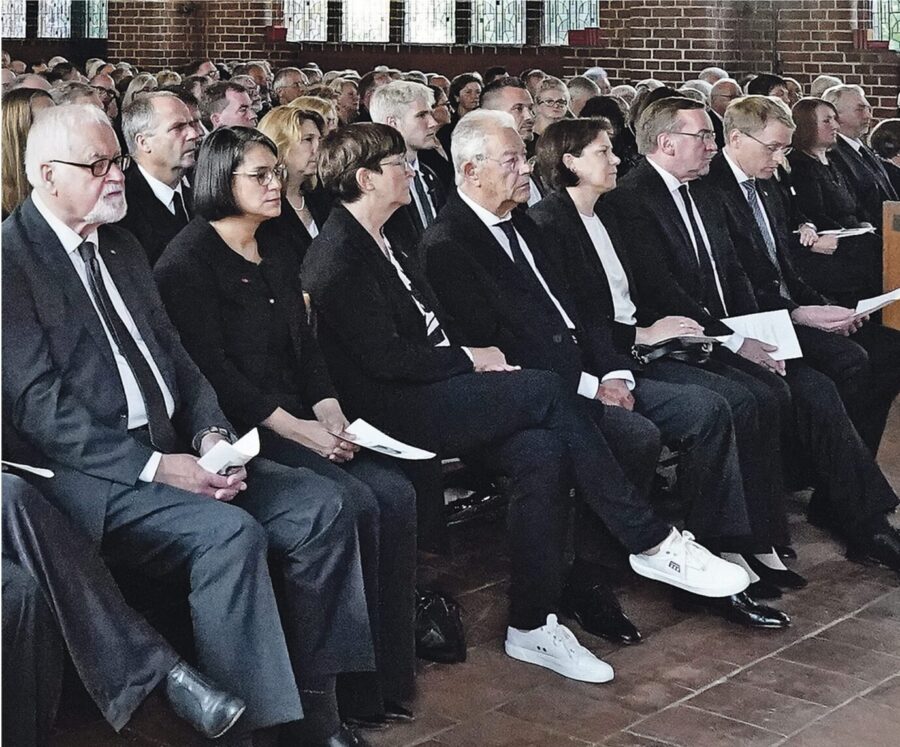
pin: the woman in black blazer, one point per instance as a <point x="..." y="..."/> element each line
<point x="236" y="299"/>
<point x="845" y="269"/>
<point x="296" y="133"/>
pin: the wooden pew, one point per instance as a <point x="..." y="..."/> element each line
<point x="891" y="224"/>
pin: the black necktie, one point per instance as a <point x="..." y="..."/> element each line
<point x="419" y="186"/>
<point x="162" y="434"/>
<point x="874" y="165"/>
<point x="711" y="299"/>
<point x="180" y="211"/>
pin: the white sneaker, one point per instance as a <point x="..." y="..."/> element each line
<point x="686" y="564"/>
<point x="555" y="647"/>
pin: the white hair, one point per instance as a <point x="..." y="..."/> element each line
<point x="469" y="139"/>
<point x="822" y="83"/>
<point x="716" y="73"/>
<point x="836" y="94"/>
<point x="51" y="134"/>
<point x="394" y="99"/>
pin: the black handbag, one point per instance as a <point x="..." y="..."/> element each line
<point x="440" y="635"/>
<point x="679" y="349"/>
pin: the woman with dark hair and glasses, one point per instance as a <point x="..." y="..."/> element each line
<point x="236" y="299"/>
<point x="848" y="268"/>
<point x="577" y="160"/>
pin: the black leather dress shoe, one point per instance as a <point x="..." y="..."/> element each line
<point x="786" y="552"/>
<point x="882" y="546"/>
<point x="397" y="713"/>
<point x="198" y="701"/>
<point x="738" y="608"/>
<point x="785" y="579"/>
<point x="763" y="590"/>
<point x="598" y="612"/>
<point x="346" y="737"/>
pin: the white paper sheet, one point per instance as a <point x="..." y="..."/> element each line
<point x="369" y="437"/>
<point x="843" y="233"/>
<point x="772" y="327"/>
<point x="224" y="455"/>
<point x="39" y="471"/>
<point x="868" y="305"/>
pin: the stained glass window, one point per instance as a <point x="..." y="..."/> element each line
<point x="366" y="21"/>
<point x="13" y="12"/>
<point x="96" y="12"/>
<point x="54" y="19"/>
<point x="430" y="22"/>
<point x="561" y="16"/>
<point x="306" y="20"/>
<point x="498" y="22"/>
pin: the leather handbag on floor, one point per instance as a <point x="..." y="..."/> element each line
<point x="440" y="635"/>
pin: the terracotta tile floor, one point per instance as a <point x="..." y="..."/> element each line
<point x="833" y="678"/>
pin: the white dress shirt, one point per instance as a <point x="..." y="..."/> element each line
<point x="164" y="193"/>
<point x="735" y="340"/>
<point x="137" y="411"/>
<point x="623" y="307"/>
<point x="588" y="384"/>
<point x="852" y="142"/>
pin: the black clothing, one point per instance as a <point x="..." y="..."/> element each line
<point x="867" y="177"/>
<point x="245" y="326"/>
<point x="118" y="656"/>
<point x="288" y="230"/>
<point x="151" y="222"/>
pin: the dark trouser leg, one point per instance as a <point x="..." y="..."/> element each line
<point x="751" y="402"/>
<point x="118" y="656"/>
<point x="699" y="421"/>
<point x="387" y="509"/>
<point x="32" y="660"/>
<point x="845" y="470"/>
<point x="237" y="632"/>
<point x="536" y="520"/>
<point x="311" y="524"/>
<point x="866" y="370"/>
<point x="853" y="272"/>
<point x="635" y="443"/>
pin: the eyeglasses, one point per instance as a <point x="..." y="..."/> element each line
<point x="555" y="103"/>
<point x="402" y="162"/>
<point x="707" y="136"/>
<point x="264" y="177"/>
<point x="104" y="93"/>
<point x="511" y="164"/>
<point x="771" y="147"/>
<point x="101" y="166"/>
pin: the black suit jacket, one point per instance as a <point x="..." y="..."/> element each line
<point x="494" y="304"/>
<point x="557" y="215"/>
<point x="148" y="219"/>
<point x="288" y="230"/>
<point x="871" y="185"/>
<point x="405" y="227"/>
<point x="662" y="256"/>
<point x="244" y="325"/>
<point x="62" y="395"/>
<point x="751" y="246"/>
<point x="372" y="333"/>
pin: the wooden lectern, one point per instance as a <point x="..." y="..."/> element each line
<point x="891" y="217"/>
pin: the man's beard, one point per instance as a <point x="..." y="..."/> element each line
<point x="107" y="211"/>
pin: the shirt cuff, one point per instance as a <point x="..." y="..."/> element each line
<point x="622" y="375"/>
<point x="734" y="342"/>
<point x="149" y="471"/>
<point x="588" y="385"/>
<point x="469" y="353"/>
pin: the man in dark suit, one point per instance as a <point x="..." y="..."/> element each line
<point x="51" y="575"/>
<point x="860" y="165"/>
<point x="163" y="143"/>
<point x="495" y="273"/>
<point x="685" y="263"/>
<point x="392" y="355"/>
<point x="97" y="387"/>
<point x="863" y="360"/>
<point x="406" y="106"/>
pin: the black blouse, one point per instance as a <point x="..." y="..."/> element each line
<point x="823" y="195"/>
<point x="244" y="324"/>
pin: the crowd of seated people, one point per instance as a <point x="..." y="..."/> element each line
<point x="497" y="268"/>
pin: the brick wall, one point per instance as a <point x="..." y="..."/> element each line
<point x="668" y="39"/>
<point x="672" y="41"/>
